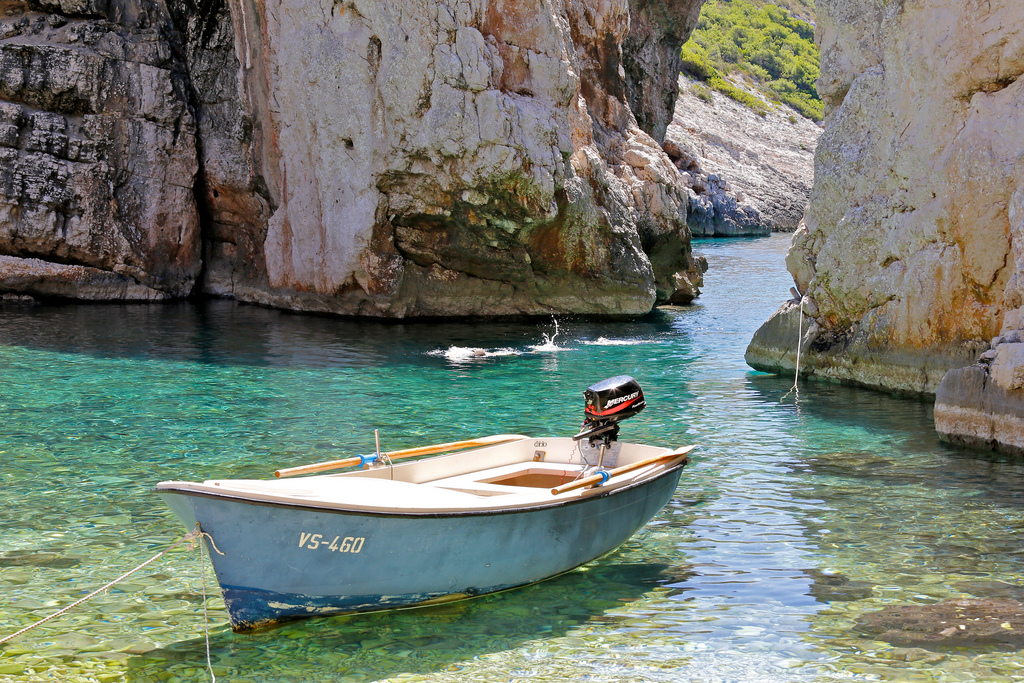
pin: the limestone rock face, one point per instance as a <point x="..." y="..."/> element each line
<point x="393" y="159"/>
<point x="982" y="405"/>
<point x="97" y="153"/>
<point x="746" y="174"/>
<point x="431" y="159"/>
<point x="913" y="243"/>
<point x="651" y="59"/>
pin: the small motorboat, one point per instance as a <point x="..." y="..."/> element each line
<point x="512" y="511"/>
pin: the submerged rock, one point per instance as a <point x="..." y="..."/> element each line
<point x="833" y="587"/>
<point x="991" y="589"/>
<point x="954" y="623"/>
<point x="37" y="559"/>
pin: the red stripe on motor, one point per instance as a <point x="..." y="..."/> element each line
<point x="612" y="411"/>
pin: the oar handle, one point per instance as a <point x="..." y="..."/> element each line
<point x="602" y="477"/>
<point x="317" y="467"/>
<point x="395" y="455"/>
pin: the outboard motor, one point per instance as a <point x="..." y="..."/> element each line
<point x="606" y="404"/>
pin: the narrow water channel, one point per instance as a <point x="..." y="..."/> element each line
<point x="801" y="513"/>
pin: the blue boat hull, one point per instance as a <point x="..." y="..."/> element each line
<point x="283" y="562"/>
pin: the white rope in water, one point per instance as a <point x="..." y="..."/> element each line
<point x="799" y="343"/>
<point x="795" y="389"/>
<point x="192" y="535"/>
<point x="206" y="618"/>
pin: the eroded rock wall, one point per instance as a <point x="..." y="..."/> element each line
<point x="433" y="159"/>
<point x="97" y="152"/>
<point x="651" y="59"/>
<point x="384" y="159"/>
<point x="453" y="158"/>
<point x="909" y="258"/>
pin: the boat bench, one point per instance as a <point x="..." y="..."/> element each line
<point x="515" y="478"/>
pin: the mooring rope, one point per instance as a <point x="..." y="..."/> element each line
<point x="795" y="389"/>
<point x="190" y="536"/>
<point x="206" y="618"/>
<point x="799" y="343"/>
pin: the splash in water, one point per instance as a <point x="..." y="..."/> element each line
<point x="464" y="354"/>
<point x="604" y="341"/>
<point x="549" y="344"/>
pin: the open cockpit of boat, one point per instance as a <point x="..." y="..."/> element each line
<point x="512" y="479"/>
<point x="515" y="472"/>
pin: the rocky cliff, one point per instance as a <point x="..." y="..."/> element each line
<point x="909" y="260"/>
<point x="365" y="158"/>
<point x="97" y="151"/>
<point x="746" y="173"/>
<point x="651" y="60"/>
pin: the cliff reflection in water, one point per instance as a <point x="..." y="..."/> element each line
<point x="228" y="333"/>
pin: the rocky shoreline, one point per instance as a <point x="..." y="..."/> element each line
<point x="745" y="174"/>
<point x="357" y="158"/>
<point x="908" y="264"/>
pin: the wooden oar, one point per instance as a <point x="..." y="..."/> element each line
<point x="395" y="455"/>
<point x="600" y="478"/>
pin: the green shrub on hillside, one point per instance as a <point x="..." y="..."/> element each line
<point x="696" y="62"/>
<point x="742" y="96"/>
<point x="702" y="93"/>
<point x="765" y="43"/>
<point x="697" y="65"/>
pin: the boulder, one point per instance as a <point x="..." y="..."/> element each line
<point x="982" y="405"/>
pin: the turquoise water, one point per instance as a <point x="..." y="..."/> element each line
<point x="800" y="514"/>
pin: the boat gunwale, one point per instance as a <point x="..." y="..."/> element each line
<point x="556" y="502"/>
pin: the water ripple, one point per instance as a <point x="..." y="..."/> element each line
<point x="797" y="515"/>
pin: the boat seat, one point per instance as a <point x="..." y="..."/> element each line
<point x="530" y="476"/>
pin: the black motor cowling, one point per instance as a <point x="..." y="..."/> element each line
<point x="606" y="404"/>
<point x="614" y="399"/>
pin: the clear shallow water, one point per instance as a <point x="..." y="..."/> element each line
<point x="799" y="514"/>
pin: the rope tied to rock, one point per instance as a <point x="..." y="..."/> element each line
<point x="795" y="389"/>
<point x="799" y="343"/>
